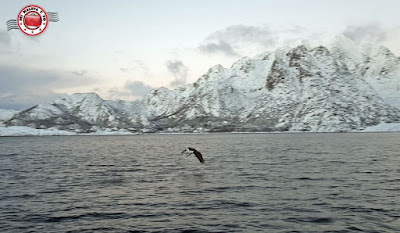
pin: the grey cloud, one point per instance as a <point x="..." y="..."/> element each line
<point x="27" y="100"/>
<point x="20" y="88"/>
<point x="135" y="89"/>
<point x="234" y="37"/>
<point x="5" y="38"/>
<point x="6" y="48"/>
<point x="296" y="29"/>
<point x="138" y="88"/>
<point x="17" y="79"/>
<point x="134" y="66"/>
<point x="243" y="33"/>
<point x="137" y="66"/>
<point x="80" y="72"/>
<point x="179" y="70"/>
<point x="371" y="32"/>
<point x="215" y="47"/>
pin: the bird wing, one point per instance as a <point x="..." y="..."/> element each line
<point x="199" y="156"/>
<point x="184" y="151"/>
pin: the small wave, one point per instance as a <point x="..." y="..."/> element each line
<point x="362" y="209"/>
<point x="364" y="172"/>
<point x="150" y="204"/>
<point x="22" y="196"/>
<point x="337" y="161"/>
<point x="87" y="215"/>
<point x="321" y="204"/>
<point x="227" y="188"/>
<point x="128" y="170"/>
<point x="232" y="204"/>
<point x="113" y="181"/>
<point x="10" y="154"/>
<point x="392" y="189"/>
<point x="25" y="196"/>
<point x="353" y="228"/>
<point x="195" y="231"/>
<point x="320" y="220"/>
<point x="307" y="178"/>
<point x="302" y="210"/>
<point x="106" y="229"/>
<point x="318" y="152"/>
<point x="100" y="165"/>
<point x="54" y="191"/>
<point x="218" y="189"/>
<point x="392" y="181"/>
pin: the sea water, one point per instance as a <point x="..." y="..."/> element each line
<point x="303" y="182"/>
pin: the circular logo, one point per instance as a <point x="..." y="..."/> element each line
<point x="32" y="20"/>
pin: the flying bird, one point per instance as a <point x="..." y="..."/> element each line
<point x="195" y="152"/>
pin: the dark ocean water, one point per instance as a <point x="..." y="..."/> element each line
<point x="249" y="183"/>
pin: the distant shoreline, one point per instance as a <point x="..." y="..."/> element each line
<point x="23" y="131"/>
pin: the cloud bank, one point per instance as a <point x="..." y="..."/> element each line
<point x="372" y="32"/>
<point x="131" y="89"/>
<point x="24" y="87"/>
<point x="230" y="40"/>
<point x="180" y="72"/>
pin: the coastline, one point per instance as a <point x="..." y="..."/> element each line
<point x="22" y="131"/>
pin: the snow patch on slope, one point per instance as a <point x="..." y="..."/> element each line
<point x="384" y="127"/>
<point x="6" y="114"/>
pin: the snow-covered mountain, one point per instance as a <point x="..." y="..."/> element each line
<point x="6" y="114"/>
<point x="338" y="87"/>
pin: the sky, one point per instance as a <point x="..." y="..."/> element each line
<point x="123" y="49"/>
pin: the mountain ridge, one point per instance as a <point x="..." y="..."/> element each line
<point x="339" y="87"/>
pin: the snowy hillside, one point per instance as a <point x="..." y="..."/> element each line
<point x="338" y="87"/>
<point x="6" y="114"/>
